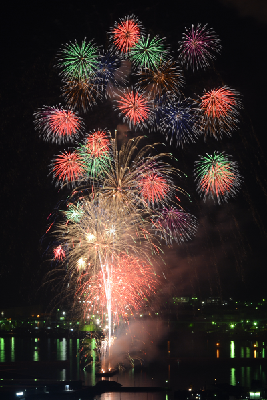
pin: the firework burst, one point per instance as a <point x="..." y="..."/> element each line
<point x="198" y="47"/>
<point x="219" y="111"/>
<point x="154" y="187"/>
<point x="58" y="124"/>
<point x="108" y="74"/>
<point x="123" y="197"/>
<point x="178" y="122"/>
<point x="125" y="34"/>
<point x="134" y="106"/>
<point x="67" y="168"/>
<point x="95" y="153"/>
<point x="74" y="212"/>
<point x="148" y="52"/>
<point x="217" y="177"/>
<point x="59" y="253"/>
<point x="176" y="225"/>
<point x="132" y="281"/>
<point x="158" y="105"/>
<point x="167" y="78"/>
<point x="127" y="183"/>
<point x="102" y="234"/>
<point x="81" y="94"/>
<point x="78" y="62"/>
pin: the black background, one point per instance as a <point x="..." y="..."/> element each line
<point x="228" y="255"/>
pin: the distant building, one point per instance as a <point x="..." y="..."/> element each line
<point x="213" y="300"/>
<point x="181" y="299"/>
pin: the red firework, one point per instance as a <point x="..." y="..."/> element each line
<point x="219" y="180"/>
<point x="134" y="107"/>
<point x="218" y="102"/>
<point x="131" y="281"/>
<point x="59" y="253"/>
<point x="57" y="124"/>
<point x="154" y="188"/>
<point x="126" y="34"/>
<point x="220" y="111"/>
<point x="98" y="143"/>
<point x="67" y="167"/>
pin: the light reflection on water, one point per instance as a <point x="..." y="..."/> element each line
<point x="232" y="349"/>
<point x="180" y="363"/>
<point x="133" y="396"/>
<point x="12" y="356"/>
<point x="232" y="377"/>
<point x="2" y="350"/>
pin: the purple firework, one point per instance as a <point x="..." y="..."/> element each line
<point x="176" y="225"/>
<point x="198" y="46"/>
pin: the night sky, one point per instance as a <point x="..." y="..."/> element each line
<point x="228" y="255"/>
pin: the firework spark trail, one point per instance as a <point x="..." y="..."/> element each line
<point x="74" y="212"/>
<point x="59" y="253"/>
<point x="102" y="233"/>
<point x="132" y="281"/>
<point x="128" y="181"/>
<point x="153" y="187"/>
<point x="102" y="236"/>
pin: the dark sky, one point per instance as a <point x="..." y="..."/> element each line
<point x="227" y="257"/>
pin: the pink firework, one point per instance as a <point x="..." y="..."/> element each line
<point x="67" y="167"/>
<point x="154" y="187"/>
<point x="59" y="253"/>
<point x="135" y="108"/>
<point x="131" y="282"/>
<point x="126" y="33"/>
<point x="198" y="47"/>
<point x="58" y="124"/>
<point x="176" y="225"/>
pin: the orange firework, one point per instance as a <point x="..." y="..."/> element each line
<point x="166" y="78"/>
<point x="81" y="93"/>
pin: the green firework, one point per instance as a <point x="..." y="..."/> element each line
<point x="78" y="62"/>
<point x="75" y="212"/>
<point x="94" y="166"/>
<point x="148" y="53"/>
<point x="217" y="177"/>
